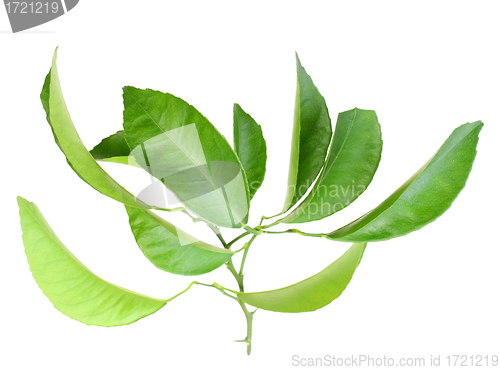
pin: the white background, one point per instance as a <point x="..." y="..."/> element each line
<point x="425" y="67"/>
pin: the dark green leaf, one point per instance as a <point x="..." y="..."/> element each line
<point x="171" y="249"/>
<point x="175" y="143"/>
<point x="312" y="132"/>
<point x="353" y="159"/>
<point x="115" y="149"/>
<point x="112" y="146"/>
<point x="424" y="197"/>
<point x="250" y="147"/>
<point x="69" y="285"/>
<point x="314" y="292"/>
<point x="66" y="137"/>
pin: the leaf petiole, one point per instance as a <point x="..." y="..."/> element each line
<point x="220" y="288"/>
<point x="295" y="231"/>
<point x="268" y="218"/>
<point x="237" y="238"/>
<point x="246" y="247"/>
<point x="252" y="230"/>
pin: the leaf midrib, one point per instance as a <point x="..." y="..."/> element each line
<point x="72" y="256"/>
<point x="327" y="170"/>
<point x="173" y="141"/>
<point x="192" y="160"/>
<point x="418" y="173"/>
<point x="57" y="241"/>
<point x="324" y="171"/>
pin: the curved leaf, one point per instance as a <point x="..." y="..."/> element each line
<point x="114" y="149"/>
<point x="66" y="137"/>
<point x="171" y="249"/>
<point x="353" y="159"/>
<point x="312" y="132"/>
<point x="69" y="285"/>
<point x="424" y="197"/>
<point x="175" y="143"/>
<point x="314" y="292"/>
<point x="250" y="147"/>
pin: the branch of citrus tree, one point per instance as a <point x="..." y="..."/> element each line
<point x="243" y="259"/>
<point x="295" y="231"/>
<point x="239" y="280"/>
<point x="229" y="244"/>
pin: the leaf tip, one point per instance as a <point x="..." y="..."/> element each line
<point x="479" y="124"/>
<point x="297" y="60"/>
<point x="54" y="57"/>
<point x="21" y="201"/>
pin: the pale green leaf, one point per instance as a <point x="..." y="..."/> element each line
<point x="66" y="137"/>
<point x="314" y="292"/>
<point x="71" y="287"/>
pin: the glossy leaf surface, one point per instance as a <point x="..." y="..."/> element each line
<point x="314" y="292"/>
<point x="69" y="285"/>
<point x="312" y="132"/>
<point x="353" y="159"/>
<point x="250" y="147"/>
<point x="424" y="197"/>
<point x="66" y="137"/>
<point x="175" y="143"/>
<point x="171" y="249"/>
<point x="115" y="149"/>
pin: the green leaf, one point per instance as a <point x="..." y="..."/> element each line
<point x="250" y="147"/>
<point x="69" y="285"/>
<point x="312" y="132"/>
<point x="175" y="143"/>
<point x="314" y="292"/>
<point x="112" y="146"/>
<point x="66" y="137"/>
<point x="171" y="249"/>
<point x="424" y="197"/>
<point x="114" y="149"/>
<point x="353" y="159"/>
